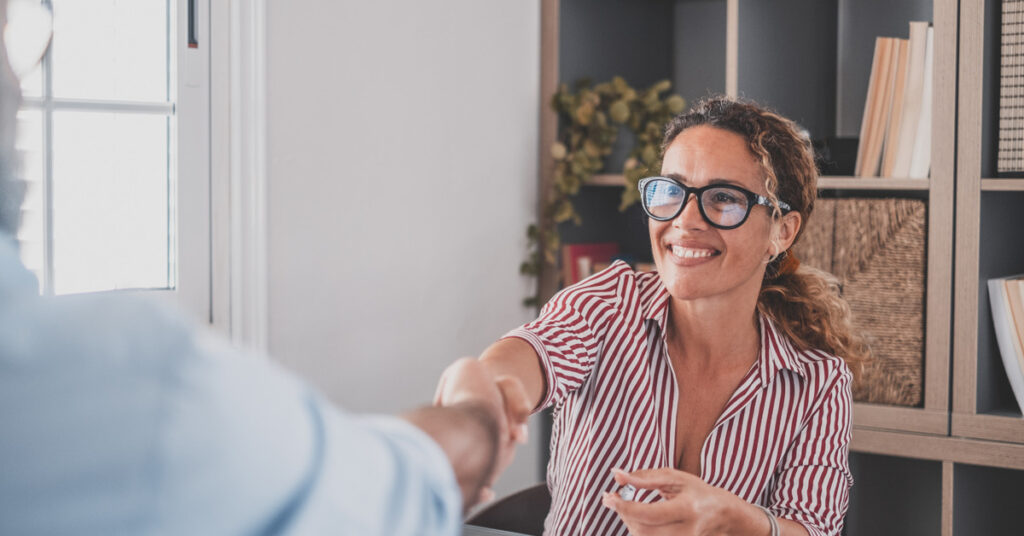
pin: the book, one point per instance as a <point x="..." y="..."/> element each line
<point x="921" y="155"/>
<point x="892" y="131"/>
<point x="1015" y="299"/>
<point x="871" y="129"/>
<point x="1009" y="338"/>
<point x="912" y="105"/>
<point x="869" y="108"/>
<point x="578" y="260"/>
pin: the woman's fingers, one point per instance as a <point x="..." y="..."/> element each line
<point x="517" y="406"/>
<point x="640" y="513"/>
<point x="439" y="392"/>
<point x="486" y="495"/>
<point x="665" y="480"/>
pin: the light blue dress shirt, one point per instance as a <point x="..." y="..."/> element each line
<point x="119" y="417"/>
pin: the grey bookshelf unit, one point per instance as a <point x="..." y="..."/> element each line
<point x="950" y="465"/>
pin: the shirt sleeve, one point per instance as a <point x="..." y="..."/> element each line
<point x="813" y="485"/>
<point x="568" y="334"/>
<point x="121" y="419"/>
<point x="255" y="448"/>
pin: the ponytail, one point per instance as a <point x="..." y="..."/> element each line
<point x="807" y="307"/>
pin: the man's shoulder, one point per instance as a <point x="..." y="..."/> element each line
<point x="93" y="328"/>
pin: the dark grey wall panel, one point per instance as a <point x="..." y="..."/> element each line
<point x="894" y="496"/>
<point x="603" y="222"/>
<point x="1000" y="256"/>
<point x="699" y="48"/>
<point x="787" y="51"/>
<point x="604" y="38"/>
<point x="986" y="500"/>
<point x="860" y="22"/>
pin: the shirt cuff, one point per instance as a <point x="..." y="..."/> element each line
<point x="430" y="458"/>
<point x="545" y="363"/>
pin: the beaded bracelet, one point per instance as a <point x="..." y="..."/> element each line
<point x="771" y="520"/>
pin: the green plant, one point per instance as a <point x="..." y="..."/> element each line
<point x="590" y="118"/>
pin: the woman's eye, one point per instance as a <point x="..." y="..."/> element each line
<point x="723" y="197"/>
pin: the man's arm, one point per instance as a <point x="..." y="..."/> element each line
<point x="468" y="435"/>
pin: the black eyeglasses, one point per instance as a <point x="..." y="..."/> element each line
<point x="722" y="205"/>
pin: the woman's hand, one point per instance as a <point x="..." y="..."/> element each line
<point x="468" y="380"/>
<point x="690" y="507"/>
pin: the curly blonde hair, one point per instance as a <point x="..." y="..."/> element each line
<point x="803" y="302"/>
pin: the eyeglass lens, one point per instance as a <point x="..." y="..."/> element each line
<point x="722" y="206"/>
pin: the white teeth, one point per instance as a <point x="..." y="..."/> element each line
<point x="691" y="253"/>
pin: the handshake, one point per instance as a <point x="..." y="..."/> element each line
<point x="478" y="418"/>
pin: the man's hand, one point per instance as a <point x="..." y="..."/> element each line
<point x="469" y="381"/>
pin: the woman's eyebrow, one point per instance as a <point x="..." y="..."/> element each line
<point x="726" y="181"/>
<point x="682" y="180"/>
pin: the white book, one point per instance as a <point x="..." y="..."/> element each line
<point x="921" y="156"/>
<point x="1010" y="345"/>
<point x="911" y="98"/>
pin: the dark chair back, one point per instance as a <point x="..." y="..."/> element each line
<point x="523" y="512"/>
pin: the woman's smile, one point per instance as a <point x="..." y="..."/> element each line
<point x="686" y="253"/>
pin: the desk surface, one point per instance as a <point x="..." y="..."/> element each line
<point x="472" y="530"/>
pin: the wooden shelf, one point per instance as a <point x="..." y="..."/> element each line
<point x="1002" y="185"/>
<point x="938" y="448"/>
<point x="861" y="183"/>
<point x="607" y="179"/>
<point x="919" y="420"/>
<point x="987" y="426"/>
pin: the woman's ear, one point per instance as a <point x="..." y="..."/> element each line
<point x="787" y="228"/>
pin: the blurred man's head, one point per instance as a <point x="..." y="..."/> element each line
<point x="11" y="189"/>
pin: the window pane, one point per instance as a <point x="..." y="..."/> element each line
<point x="111" y="202"/>
<point x="32" y="232"/>
<point x="32" y="82"/>
<point x="110" y="49"/>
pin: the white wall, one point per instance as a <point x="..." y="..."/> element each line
<point x="402" y="175"/>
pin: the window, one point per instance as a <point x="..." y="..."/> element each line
<point x="114" y="138"/>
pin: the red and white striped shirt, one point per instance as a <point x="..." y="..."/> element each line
<point x="781" y="442"/>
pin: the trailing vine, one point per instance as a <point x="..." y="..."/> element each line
<point x="590" y="118"/>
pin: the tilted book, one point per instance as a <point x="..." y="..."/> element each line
<point x="1009" y="338"/>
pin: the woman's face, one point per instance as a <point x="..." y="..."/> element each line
<point x="696" y="260"/>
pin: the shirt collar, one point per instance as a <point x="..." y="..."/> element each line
<point x="654" y="300"/>
<point x="777" y="352"/>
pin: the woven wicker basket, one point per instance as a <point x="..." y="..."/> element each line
<point x="876" y="247"/>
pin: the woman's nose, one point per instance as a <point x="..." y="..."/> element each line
<point x="689" y="217"/>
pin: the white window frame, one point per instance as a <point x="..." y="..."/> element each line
<point x="239" y="171"/>
<point x="190" y="228"/>
<point x="221" y="205"/>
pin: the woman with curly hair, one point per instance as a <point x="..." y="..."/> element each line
<point x="713" y="396"/>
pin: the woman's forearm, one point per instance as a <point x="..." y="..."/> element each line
<point x="516" y="358"/>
